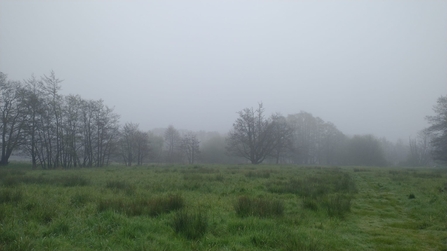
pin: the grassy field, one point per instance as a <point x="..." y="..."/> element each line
<point x="217" y="207"/>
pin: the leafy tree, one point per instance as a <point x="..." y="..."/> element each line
<point x="438" y="130"/>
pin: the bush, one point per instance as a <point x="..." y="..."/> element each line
<point x="191" y="225"/>
<point x="246" y="206"/>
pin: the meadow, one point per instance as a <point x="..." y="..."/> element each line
<point x="223" y="207"/>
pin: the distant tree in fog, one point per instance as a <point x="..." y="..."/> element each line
<point x="438" y="130"/>
<point x="213" y="150"/>
<point x="172" y="143"/>
<point x="127" y="143"/>
<point x="314" y="141"/>
<point x="252" y="136"/>
<point x="190" y="147"/>
<point x="156" y="147"/>
<point x="364" y="150"/>
<point x="282" y="134"/>
<point x="396" y="153"/>
<point x="134" y="144"/>
<point x="420" y="150"/>
<point x="12" y="117"/>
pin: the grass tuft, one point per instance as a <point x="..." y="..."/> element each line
<point x="192" y="226"/>
<point x="151" y="207"/>
<point x="10" y="195"/>
<point x="73" y="180"/>
<point x="310" y="203"/>
<point x="80" y="199"/>
<point x="246" y="206"/>
<point x="338" y="205"/>
<point x="118" y="185"/>
<point x="258" y="174"/>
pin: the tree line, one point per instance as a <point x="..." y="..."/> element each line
<point x="304" y="139"/>
<point x="58" y="131"/>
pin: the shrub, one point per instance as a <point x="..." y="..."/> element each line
<point x="411" y="196"/>
<point x="191" y="225"/>
<point x="246" y="206"/>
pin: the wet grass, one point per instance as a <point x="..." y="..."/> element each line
<point x="206" y="207"/>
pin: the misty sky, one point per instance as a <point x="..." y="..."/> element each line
<point x="367" y="66"/>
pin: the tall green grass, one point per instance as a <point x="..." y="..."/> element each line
<point x="213" y="207"/>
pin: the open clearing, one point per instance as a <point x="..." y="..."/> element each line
<point x="223" y="207"/>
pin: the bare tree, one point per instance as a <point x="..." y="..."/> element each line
<point x="51" y="87"/>
<point x="252" y="136"/>
<point x="13" y="118"/>
<point x="33" y="105"/>
<point x="190" y="146"/>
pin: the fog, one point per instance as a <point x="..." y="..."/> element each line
<point x="367" y="66"/>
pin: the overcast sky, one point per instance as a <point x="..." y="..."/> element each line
<point x="366" y="66"/>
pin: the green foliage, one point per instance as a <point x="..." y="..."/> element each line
<point x="260" y="207"/>
<point x="191" y="225"/>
